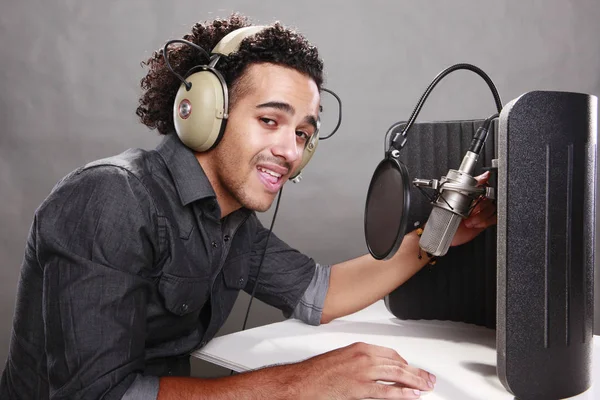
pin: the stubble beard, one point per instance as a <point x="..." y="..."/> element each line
<point x="237" y="186"/>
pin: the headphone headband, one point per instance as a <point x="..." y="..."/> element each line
<point x="230" y="43"/>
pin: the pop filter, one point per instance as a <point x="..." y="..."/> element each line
<point x="386" y="211"/>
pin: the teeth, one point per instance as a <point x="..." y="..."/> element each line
<point x="268" y="171"/>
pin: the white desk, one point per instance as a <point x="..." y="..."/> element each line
<point x="462" y="356"/>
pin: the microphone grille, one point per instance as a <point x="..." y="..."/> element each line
<point x="439" y="231"/>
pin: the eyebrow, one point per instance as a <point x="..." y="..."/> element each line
<point x="289" y="109"/>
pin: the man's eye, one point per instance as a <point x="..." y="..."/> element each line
<point x="268" y="121"/>
<point x="302" y="135"/>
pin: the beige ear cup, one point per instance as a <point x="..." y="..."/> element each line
<point x="198" y="113"/>
<point x="309" y="151"/>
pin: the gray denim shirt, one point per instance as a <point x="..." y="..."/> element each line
<point x="128" y="268"/>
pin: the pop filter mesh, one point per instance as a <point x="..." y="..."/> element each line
<point x="386" y="209"/>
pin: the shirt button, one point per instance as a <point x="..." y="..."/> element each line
<point x="241" y="281"/>
<point x="184" y="307"/>
<point x="214" y="244"/>
<point x="226" y="238"/>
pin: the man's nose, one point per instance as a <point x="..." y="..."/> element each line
<point x="287" y="146"/>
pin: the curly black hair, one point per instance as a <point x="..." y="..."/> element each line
<point x="275" y="44"/>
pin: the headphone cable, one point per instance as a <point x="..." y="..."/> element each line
<point x="331" y="92"/>
<point x="188" y="85"/>
<point x="261" y="262"/>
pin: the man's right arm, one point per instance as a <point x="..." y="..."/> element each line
<point x="356" y="372"/>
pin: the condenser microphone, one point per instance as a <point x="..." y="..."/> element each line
<point x="455" y="195"/>
<point x="388" y="197"/>
<point x="452" y="205"/>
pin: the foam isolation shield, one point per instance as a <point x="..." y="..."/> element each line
<point x="461" y="286"/>
<point x="546" y="227"/>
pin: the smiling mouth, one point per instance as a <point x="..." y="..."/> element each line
<point x="270" y="174"/>
<point x="271" y="180"/>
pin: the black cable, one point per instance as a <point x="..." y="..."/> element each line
<point x="261" y="262"/>
<point x="436" y="80"/>
<point x="431" y="199"/>
<point x="275" y="216"/>
<point x="188" y="85"/>
<point x="262" y="259"/>
<point x="481" y="135"/>
<point x="340" y="113"/>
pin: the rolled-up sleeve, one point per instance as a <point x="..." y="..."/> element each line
<point x="95" y="238"/>
<point x="289" y="280"/>
<point x="310" y="306"/>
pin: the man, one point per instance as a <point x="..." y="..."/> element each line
<point x="136" y="260"/>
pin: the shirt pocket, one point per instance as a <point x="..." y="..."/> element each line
<point x="183" y="295"/>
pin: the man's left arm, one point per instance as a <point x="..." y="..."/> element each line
<point x="358" y="283"/>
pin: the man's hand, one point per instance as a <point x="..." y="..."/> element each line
<point x="360" y="371"/>
<point x="482" y="217"/>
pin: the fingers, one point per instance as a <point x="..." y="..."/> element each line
<point x="390" y="357"/>
<point x="384" y="391"/>
<point x="405" y="375"/>
<point x="483" y="215"/>
<point x="492" y="220"/>
<point x="426" y="376"/>
<point x="379" y="372"/>
<point x="483" y="178"/>
<point x="380" y="351"/>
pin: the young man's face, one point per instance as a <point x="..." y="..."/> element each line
<point x="266" y="134"/>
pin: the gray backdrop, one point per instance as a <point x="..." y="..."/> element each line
<point x="69" y="88"/>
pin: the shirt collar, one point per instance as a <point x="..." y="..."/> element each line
<point x="190" y="180"/>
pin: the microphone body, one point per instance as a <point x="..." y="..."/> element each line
<point x="454" y="201"/>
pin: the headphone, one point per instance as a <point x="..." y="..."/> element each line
<point x="201" y="106"/>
